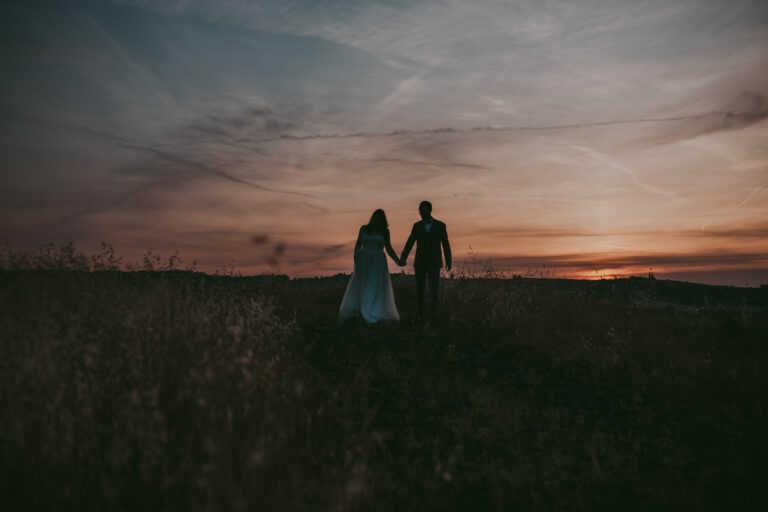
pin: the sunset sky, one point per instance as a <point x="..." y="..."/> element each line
<point x="583" y="138"/>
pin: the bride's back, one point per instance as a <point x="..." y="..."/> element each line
<point x="372" y="240"/>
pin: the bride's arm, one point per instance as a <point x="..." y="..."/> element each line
<point x="358" y="244"/>
<point x="390" y="250"/>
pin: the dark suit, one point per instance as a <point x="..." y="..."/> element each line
<point x="428" y="260"/>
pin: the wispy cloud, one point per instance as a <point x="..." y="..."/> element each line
<point x="755" y="231"/>
<point x="427" y="163"/>
<point x="248" y="122"/>
<point x="632" y="174"/>
<point x="182" y="162"/>
<point x="592" y="261"/>
<point x="724" y="212"/>
<point x="740" y="120"/>
<point x="746" y="109"/>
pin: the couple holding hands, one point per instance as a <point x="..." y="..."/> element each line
<point x="369" y="291"/>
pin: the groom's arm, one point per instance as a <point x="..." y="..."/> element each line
<point x="408" y="245"/>
<point x="446" y="248"/>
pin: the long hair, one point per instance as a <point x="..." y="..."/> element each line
<point x="378" y="223"/>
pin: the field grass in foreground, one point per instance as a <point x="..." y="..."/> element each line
<point x="180" y="390"/>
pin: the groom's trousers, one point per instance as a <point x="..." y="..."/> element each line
<point x="426" y="273"/>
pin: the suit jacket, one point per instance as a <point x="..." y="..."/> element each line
<point x="428" y="244"/>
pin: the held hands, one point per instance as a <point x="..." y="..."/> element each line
<point x="400" y="262"/>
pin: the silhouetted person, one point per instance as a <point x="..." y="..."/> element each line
<point x="429" y="235"/>
<point x="369" y="291"/>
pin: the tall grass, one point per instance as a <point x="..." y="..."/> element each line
<point x="68" y="257"/>
<point x="180" y="390"/>
<point x="135" y="392"/>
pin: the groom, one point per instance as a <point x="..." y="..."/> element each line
<point x="429" y="234"/>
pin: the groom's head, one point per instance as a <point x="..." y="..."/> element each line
<point x="425" y="209"/>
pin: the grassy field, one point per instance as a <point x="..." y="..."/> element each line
<point x="181" y="390"/>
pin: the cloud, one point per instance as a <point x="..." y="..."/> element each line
<point x="402" y="94"/>
<point x="182" y="162"/>
<point x="14" y="118"/>
<point x="752" y="194"/>
<point x="757" y="232"/>
<point x="249" y="122"/>
<point x="734" y="121"/>
<point x="753" y="232"/>
<point x="749" y="106"/>
<point x="592" y="261"/>
<point x="740" y="111"/>
<point x="187" y="164"/>
<point x="335" y="248"/>
<point x="427" y="163"/>
<point x="259" y="239"/>
<point x="607" y="161"/>
<point x="147" y="198"/>
<point x="728" y="210"/>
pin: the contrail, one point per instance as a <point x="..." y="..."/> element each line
<point x="749" y="197"/>
<point x="480" y="129"/>
<point x="207" y="169"/>
<point x="754" y="192"/>
<point x="123" y="142"/>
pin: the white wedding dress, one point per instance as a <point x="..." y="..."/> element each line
<point x="369" y="291"/>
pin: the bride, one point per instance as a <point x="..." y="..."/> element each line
<point x="369" y="291"/>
